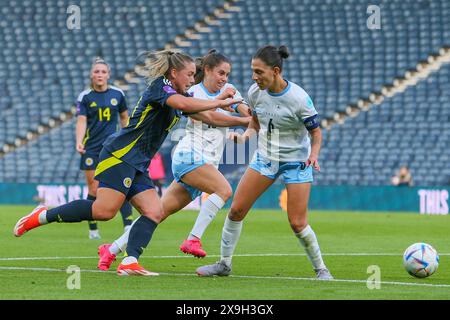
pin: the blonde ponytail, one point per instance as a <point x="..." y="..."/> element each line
<point x="159" y="63"/>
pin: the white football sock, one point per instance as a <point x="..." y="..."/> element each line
<point x="308" y="240"/>
<point x="42" y="218"/>
<point x="129" y="260"/>
<point x="230" y="235"/>
<point x="114" y="249"/>
<point x="94" y="234"/>
<point x="120" y="244"/>
<point x="207" y="213"/>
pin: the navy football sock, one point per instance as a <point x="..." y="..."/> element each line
<point x="140" y="235"/>
<point x="93" y="223"/>
<point x="127" y="213"/>
<point x="75" y="211"/>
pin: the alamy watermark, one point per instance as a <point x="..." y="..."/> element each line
<point x="374" y="20"/>
<point x="374" y="280"/>
<point x="73" y="21"/>
<point x="74" y="280"/>
<point x="215" y="143"/>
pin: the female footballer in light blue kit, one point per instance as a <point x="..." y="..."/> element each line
<point x="196" y="159"/>
<point x="284" y="117"/>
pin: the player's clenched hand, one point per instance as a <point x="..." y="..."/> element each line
<point x="227" y="93"/>
<point x="80" y="148"/>
<point x="313" y="161"/>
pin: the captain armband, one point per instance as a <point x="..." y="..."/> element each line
<point x="311" y="122"/>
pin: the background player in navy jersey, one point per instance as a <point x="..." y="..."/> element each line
<point x="125" y="157"/>
<point x="98" y="111"/>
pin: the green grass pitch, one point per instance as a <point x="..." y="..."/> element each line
<point x="269" y="262"/>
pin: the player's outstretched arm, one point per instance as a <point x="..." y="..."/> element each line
<point x="189" y="105"/>
<point x="244" y="110"/>
<point x="253" y="128"/>
<point x="218" y="119"/>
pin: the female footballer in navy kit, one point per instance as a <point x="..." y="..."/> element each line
<point x="124" y="159"/>
<point x="98" y="111"/>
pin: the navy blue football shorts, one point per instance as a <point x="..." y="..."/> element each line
<point x="115" y="174"/>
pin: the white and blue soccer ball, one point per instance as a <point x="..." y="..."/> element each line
<point x="420" y="260"/>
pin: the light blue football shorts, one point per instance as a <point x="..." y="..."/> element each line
<point x="291" y="172"/>
<point x="184" y="162"/>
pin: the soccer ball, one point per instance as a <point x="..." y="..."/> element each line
<point x="420" y="260"/>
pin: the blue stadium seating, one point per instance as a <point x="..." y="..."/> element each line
<point x="44" y="65"/>
<point x="411" y="128"/>
<point x="335" y="57"/>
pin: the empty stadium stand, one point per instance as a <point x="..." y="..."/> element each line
<point x="335" y="57"/>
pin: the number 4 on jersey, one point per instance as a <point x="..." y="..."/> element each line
<point x="270" y="127"/>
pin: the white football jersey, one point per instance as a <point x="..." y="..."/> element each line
<point x="282" y="135"/>
<point x="201" y="138"/>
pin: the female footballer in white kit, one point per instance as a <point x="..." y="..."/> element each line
<point x="196" y="158"/>
<point x="285" y="118"/>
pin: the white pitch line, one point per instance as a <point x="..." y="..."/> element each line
<point x="246" y="277"/>
<point x="49" y="269"/>
<point x="218" y="256"/>
<point x="348" y="280"/>
<point x="45" y="258"/>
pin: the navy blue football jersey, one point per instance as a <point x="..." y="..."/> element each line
<point x="148" y="126"/>
<point x="102" y="111"/>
